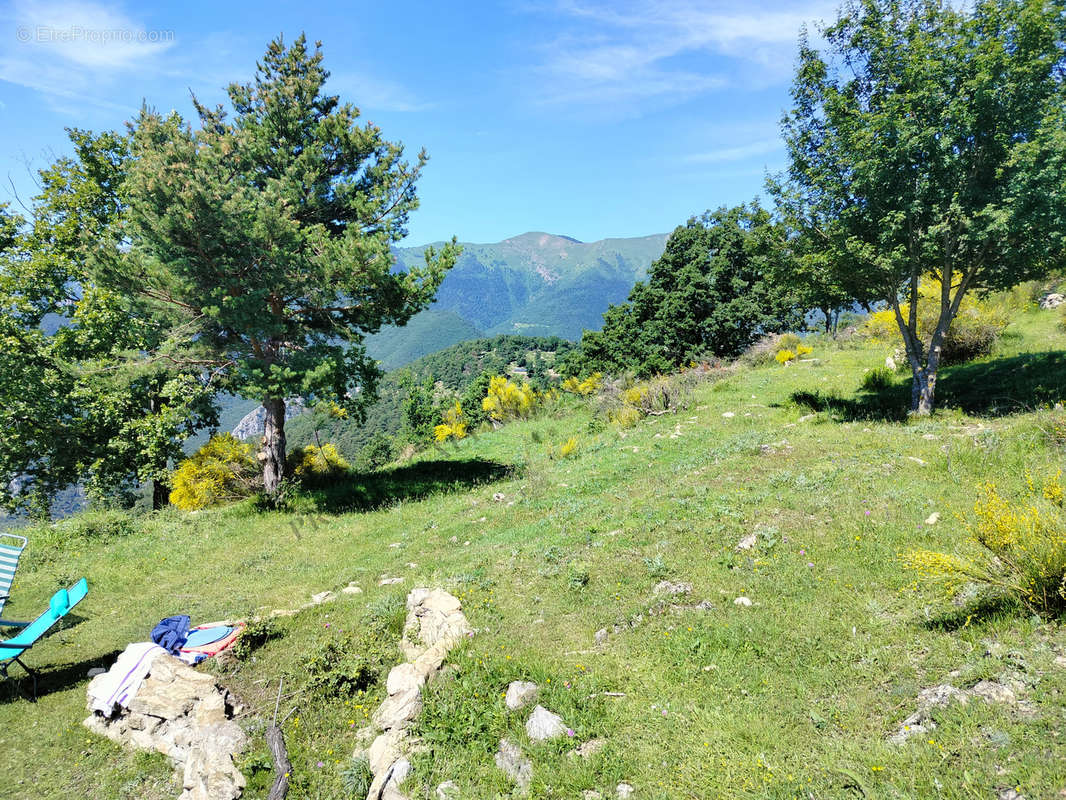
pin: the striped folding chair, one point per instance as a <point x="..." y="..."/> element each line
<point x="11" y="547"/>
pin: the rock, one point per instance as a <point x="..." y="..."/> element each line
<point x="728" y="415"/>
<point x="520" y="694"/>
<point x="384" y="751"/>
<point x="184" y="715"/>
<point x="748" y="542"/>
<point x="449" y="790"/>
<point x="442" y="602"/>
<point x="921" y="721"/>
<point x="404" y="678"/>
<point x="623" y="790"/>
<point x="933" y="518"/>
<point x="591" y="794"/>
<point x="499" y="497"/>
<point x="742" y="601"/>
<point x="890" y="363"/>
<point x="544" y="724"/>
<point x="351" y="588"/>
<point x="1010" y="794"/>
<point x="416" y="597"/>
<point x="589" y="748"/>
<point x="993" y="692"/>
<point x="398" y="709"/>
<point x="600" y="636"/>
<point x="95" y="671"/>
<point x="1053" y="300"/>
<point x="284" y="612"/>
<point x="431" y="659"/>
<point x="252" y="423"/>
<point x="389" y="581"/>
<point x="514" y="765"/>
<point x="322" y="597"/>
<point x="667" y="587"/>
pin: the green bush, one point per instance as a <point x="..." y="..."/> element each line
<point x="255" y="636"/>
<point x="98" y="525"/>
<point x="878" y="379"/>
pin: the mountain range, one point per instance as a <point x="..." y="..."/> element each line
<point x="535" y="284"/>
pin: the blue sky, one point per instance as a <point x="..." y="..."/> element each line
<point x="590" y="119"/>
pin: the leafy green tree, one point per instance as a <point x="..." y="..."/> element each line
<point x="127" y="416"/>
<point x="712" y="293"/>
<point x="267" y="234"/>
<point x="39" y="421"/>
<point x="929" y="140"/>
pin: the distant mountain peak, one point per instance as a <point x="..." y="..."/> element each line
<point x="540" y="239"/>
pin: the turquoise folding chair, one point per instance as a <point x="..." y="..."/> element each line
<point x="11" y="547"/>
<point x="11" y="650"/>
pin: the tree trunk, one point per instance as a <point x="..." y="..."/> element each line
<point x="160" y="494"/>
<point x="273" y="452"/>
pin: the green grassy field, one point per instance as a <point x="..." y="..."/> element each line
<point x="792" y="697"/>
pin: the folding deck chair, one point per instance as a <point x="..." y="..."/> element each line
<point x="11" y="547"/>
<point x="11" y="650"/>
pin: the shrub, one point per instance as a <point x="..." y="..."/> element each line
<point x="453" y="427"/>
<point x="625" y="405"/>
<point x="973" y="332"/>
<point x="566" y="449"/>
<point x="1020" y="549"/>
<point x="803" y="350"/>
<point x="784" y="356"/>
<point x="878" y="379"/>
<point x="315" y="466"/>
<point x="221" y="471"/>
<point x="255" y="636"/>
<point x="507" y="400"/>
<point x="98" y="525"/>
<point x="584" y="388"/>
<point x="788" y="341"/>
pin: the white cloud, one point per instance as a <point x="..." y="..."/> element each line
<point x="72" y="52"/>
<point x="372" y="93"/>
<point x="737" y="152"/>
<point x="670" y="49"/>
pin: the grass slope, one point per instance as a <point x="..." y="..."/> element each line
<point x="792" y="697"/>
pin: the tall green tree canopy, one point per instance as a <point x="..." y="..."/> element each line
<point x="85" y="405"/>
<point x="266" y="234"/>
<point x="712" y="292"/>
<point x="927" y="140"/>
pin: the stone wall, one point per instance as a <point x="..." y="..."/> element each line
<point x="435" y="624"/>
<point x="188" y="717"/>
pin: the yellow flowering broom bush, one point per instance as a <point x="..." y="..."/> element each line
<point x="972" y="333"/>
<point x="221" y="471"/>
<point x="1021" y="548"/>
<point x="314" y="466"/>
<point x="507" y="400"/>
<point x="454" y="425"/>
<point x="584" y="388"/>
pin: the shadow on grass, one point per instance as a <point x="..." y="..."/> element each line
<point x="409" y="482"/>
<point x="996" y="387"/>
<point x="50" y="678"/>
<point x="978" y="610"/>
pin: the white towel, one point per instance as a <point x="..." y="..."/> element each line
<point x="118" y="685"/>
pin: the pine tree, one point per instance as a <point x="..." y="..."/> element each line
<point x="266" y="234"/>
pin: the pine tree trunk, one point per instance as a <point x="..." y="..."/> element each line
<point x="160" y="494"/>
<point x="273" y="452"/>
